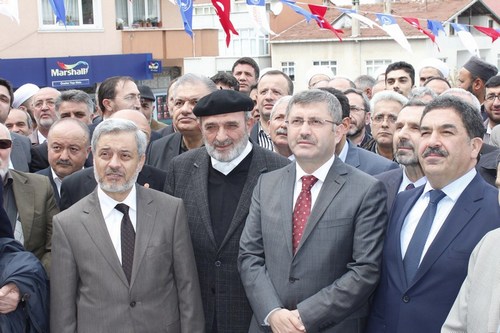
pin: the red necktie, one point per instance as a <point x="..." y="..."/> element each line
<point x="302" y="210"/>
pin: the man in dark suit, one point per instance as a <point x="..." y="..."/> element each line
<point x="123" y="259"/>
<point x="312" y="268"/>
<point x="187" y="91"/>
<point x="69" y="146"/>
<point x="406" y="140"/>
<point x="216" y="183"/>
<point x="426" y="254"/>
<point x="82" y="183"/>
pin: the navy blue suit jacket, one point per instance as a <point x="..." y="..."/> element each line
<point x="423" y="304"/>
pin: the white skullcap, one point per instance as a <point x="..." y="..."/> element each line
<point x="437" y="64"/>
<point x="23" y="93"/>
<point x="318" y="70"/>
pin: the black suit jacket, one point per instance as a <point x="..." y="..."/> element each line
<point x="392" y="180"/>
<point x="366" y="161"/>
<point x="166" y="130"/>
<point x="487" y="166"/>
<point x="40" y="158"/>
<point x="221" y="288"/>
<point x="5" y="225"/>
<point x="48" y="173"/>
<point x="80" y="184"/>
<point x="163" y="150"/>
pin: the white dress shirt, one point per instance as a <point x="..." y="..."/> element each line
<point x="444" y="207"/>
<point x="406" y="181"/>
<point x="113" y="217"/>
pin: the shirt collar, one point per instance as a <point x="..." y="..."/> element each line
<point x="320" y="173"/>
<point x="421" y="181"/>
<point x="454" y="189"/>
<point x="226" y="167"/>
<point x="343" y="152"/>
<point x="108" y="204"/>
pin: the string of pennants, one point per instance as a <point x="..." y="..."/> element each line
<point x="386" y="22"/>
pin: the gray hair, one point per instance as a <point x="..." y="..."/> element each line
<point x="465" y="95"/>
<point x="29" y="121"/>
<point x="285" y="99"/>
<point x="387" y="95"/>
<point x="6" y="130"/>
<point x="420" y="92"/>
<point x="115" y="126"/>
<point x="191" y="78"/>
<point x="75" y="96"/>
<point x="313" y="96"/>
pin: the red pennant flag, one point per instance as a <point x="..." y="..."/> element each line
<point x="416" y="23"/>
<point x="320" y="12"/>
<point x="223" y="9"/>
<point x="489" y="32"/>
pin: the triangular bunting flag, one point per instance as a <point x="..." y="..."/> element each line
<point x="223" y="9"/>
<point x="416" y="23"/>
<point x="466" y="38"/>
<point x="186" y="8"/>
<point x="320" y="12"/>
<point x="354" y="14"/>
<point x="489" y="32"/>
<point x="258" y="14"/>
<point x="435" y="27"/>
<point x="390" y="26"/>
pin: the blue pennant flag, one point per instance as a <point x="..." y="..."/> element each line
<point x="59" y="10"/>
<point x="186" y="8"/>
<point x="256" y="2"/>
<point x="435" y="27"/>
<point x="299" y="10"/>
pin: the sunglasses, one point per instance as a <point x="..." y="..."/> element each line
<point x="5" y="143"/>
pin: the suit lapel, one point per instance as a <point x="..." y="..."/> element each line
<point x="200" y="181"/>
<point x="334" y="181"/>
<point x="286" y="205"/>
<point x="24" y="195"/>
<point x="146" y="218"/>
<point x="352" y="157"/>
<point x="464" y="209"/>
<point x="257" y="167"/>
<point x="96" y="228"/>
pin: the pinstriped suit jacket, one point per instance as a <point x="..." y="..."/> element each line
<point x="221" y="289"/>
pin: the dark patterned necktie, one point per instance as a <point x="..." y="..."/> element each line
<point x="413" y="254"/>
<point x="302" y="210"/>
<point x="409" y="187"/>
<point x="128" y="240"/>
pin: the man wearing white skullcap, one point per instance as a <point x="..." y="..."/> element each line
<point x="23" y="97"/>
<point x="432" y="67"/>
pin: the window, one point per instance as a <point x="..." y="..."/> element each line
<point x="332" y="64"/>
<point x="288" y="67"/>
<point x="204" y="10"/>
<point x="247" y="43"/>
<point x="376" y="67"/>
<point x="138" y="12"/>
<point x="79" y="14"/>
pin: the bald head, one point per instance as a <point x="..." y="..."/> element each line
<point x="136" y="117"/>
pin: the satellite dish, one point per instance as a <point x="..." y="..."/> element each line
<point x="276" y="7"/>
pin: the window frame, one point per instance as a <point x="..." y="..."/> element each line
<point x="60" y="27"/>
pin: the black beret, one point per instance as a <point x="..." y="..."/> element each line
<point x="223" y="101"/>
<point x="480" y="68"/>
<point x="146" y="93"/>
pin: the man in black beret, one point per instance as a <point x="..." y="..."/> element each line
<point x="473" y="76"/>
<point x="216" y="184"/>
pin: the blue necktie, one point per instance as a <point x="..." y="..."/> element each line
<point x="413" y="254"/>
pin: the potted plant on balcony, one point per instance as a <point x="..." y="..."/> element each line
<point x="119" y="24"/>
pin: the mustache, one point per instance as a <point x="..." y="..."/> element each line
<point x="434" y="150"/>
<point x="222" y="143"/>
<point x="64" y="162"/>
<point x="281" y="130"/>
<point x="114" y="172"/>
<point x="405" y="144"/>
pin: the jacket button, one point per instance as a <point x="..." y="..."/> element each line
<point x="292" y="279"/>
<point x="132" y="304"/>
<point x="218" y="263"/>
<point x="406" y="298"/>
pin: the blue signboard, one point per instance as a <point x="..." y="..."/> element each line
<point x="75" y="72"/>
<point x="154" y="66"/>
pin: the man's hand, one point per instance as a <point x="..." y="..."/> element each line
<point x="286" y="321"/>
<point x="9" y="298"/>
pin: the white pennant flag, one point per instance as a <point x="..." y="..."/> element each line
<point x="466" y="38"/>
<point x="390" y="26"/>
<point x="10" y="8"/>
<point x="354" y="14"/>
<point x="258" y="14"/>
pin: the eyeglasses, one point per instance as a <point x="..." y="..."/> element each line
<point x="39" y="104"/>
<point x="378" y="119"/>
<point x="492" y="97"/>
<point x="312" y="122"/>
<point x="354" y="108"/>
<point x="5" y="143"/>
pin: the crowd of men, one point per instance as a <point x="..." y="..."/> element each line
<point x="358" y="205"/>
